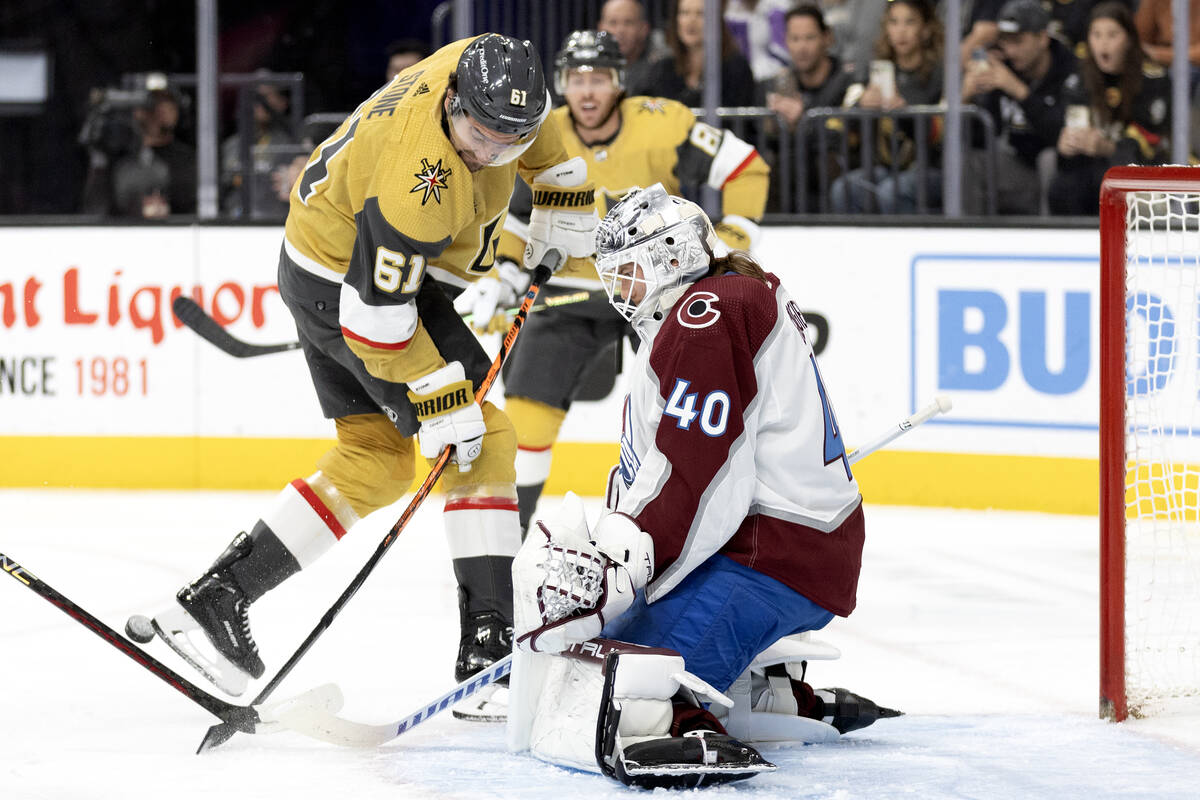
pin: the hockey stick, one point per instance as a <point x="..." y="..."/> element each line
<point x="247" y="719"/>
<point x="191" y="314"/>
<point x="218" y="734"/>
<point x="325" y="725"/>
<point x="940" y="405"/>
<point x="328" y="727"/>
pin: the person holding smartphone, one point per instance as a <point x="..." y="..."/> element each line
<point x="1118" y="112"/>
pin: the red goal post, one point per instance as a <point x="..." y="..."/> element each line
<point x="1149" y="439"/>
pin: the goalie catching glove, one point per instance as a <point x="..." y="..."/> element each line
<point x="488" y="299"/>
<point x="445" y="405"/>
<point x="568" y="587"/>
<point x="562" y="223"/>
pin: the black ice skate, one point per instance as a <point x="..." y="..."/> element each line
<point x="848" y="711"/>
<point x="486" y="638"/>
<point x="209" y="627"/>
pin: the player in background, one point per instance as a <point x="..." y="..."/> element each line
<point x="735" y="517"/>
<point x="395" y="213"/>
<point x="627" y="142"/>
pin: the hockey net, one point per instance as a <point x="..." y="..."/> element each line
<point x="1150" y="441"/>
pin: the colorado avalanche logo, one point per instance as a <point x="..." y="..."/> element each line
<point x="698" y="310"/>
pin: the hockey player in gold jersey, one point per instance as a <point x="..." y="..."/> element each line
<point x="627" y="142"/>
<point x="394" y="214"/>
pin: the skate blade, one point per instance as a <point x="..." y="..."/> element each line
<point x="180" y="631"/>
<point x="489" y="704"/>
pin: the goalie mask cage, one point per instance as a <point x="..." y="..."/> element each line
<point x="1149" y="441"/>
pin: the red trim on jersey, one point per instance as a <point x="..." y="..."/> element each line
<point x="481" y="504"/>
<point x="349" y="334"/>
<point x="534" y="449"/>
<point x="737" y="170"/>
<point x="322" y="510"/>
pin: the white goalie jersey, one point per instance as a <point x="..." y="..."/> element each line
<point x="730" y="445"/>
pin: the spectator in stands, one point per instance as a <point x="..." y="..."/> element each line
<point x="814" y="78"/>
<point x="641" y="45"/>
<point x="1068" y="24"/>
<point x="757" y="27"/>
<point x="1020" y="87"/>
<point x="1156" y="30"/>
<point x="680" y="76"/>
<point x="1069" y="21"/>
<point x="1117" y="112"/>
<point x="855" y="26"/>
<point x="402" y="54"/>
<point x="907" y="72"/>
<point x="980" y="32"/>
<point x="271" y="138"/>
<point x="149" y="174"/>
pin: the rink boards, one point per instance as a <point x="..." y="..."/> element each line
<point x="100" y="386"/>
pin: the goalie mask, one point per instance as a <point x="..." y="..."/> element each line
<point x="499" y="85"/>
<point x="649" y="244"/>
<point x="588" y="51"/>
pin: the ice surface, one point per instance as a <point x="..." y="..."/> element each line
<point x="981" y="626"/>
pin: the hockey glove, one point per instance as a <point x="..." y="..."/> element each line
<point x="446" y="408"/>
<point x="738" y="233"/>
<point x="488" y="298"/>
<point x="566" y="589"/>
<point x="563" y="221"/>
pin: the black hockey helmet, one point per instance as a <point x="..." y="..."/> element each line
<point x="500" y="84"/>
<point x="588" y="50"/>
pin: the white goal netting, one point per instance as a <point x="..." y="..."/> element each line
<point x="1162" y="440"/>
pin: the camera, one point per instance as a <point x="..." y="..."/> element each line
<point x="109" y="130"/>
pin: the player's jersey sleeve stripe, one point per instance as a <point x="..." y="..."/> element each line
<point x="311" y="265"/>
<point x="738" y="170"/>
<point x="733" y="156"/>
<point x="387" y="327"/>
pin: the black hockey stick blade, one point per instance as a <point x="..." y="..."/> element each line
<point x="191" y="314"/>
<point x="242" y="718"/>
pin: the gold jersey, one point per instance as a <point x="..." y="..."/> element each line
<point x="386" y="201"/>
<point x="659" y="141"/>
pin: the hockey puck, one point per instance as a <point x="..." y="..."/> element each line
<point x="139" y="628"/>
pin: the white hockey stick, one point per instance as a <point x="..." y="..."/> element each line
<point x="940" y="405"/>
<point x="320" y="721"/>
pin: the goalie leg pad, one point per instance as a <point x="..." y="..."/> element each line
<point x="697" y="758"/>
<point x="555" y="700"/>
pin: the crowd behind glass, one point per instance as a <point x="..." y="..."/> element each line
<point x="841" y="96"/>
